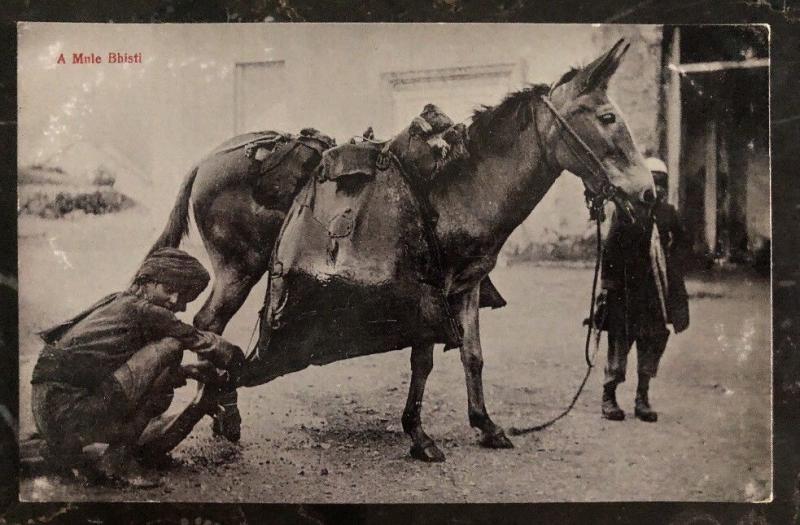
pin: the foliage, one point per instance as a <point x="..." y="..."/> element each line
<point x="560" y="248"/>
<point x="49" y="206"/>
<point x="103" y="177"/>
<point x="38" y="174"/>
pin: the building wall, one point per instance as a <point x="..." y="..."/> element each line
<point x="335" y="76"/>
<point x="170" y="111"/>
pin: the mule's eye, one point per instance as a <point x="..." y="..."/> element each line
<point x="607" y="118"/>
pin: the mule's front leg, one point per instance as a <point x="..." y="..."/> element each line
<point x="421" y="365"/>
<point x="231" y="287"/>
<point x="472" y="359"/>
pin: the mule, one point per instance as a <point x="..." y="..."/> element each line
<point x="517" y="150"/>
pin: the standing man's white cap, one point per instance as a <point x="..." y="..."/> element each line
<point x="660" y="175"/>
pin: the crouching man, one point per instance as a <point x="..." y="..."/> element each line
<point x="106" y="375"/>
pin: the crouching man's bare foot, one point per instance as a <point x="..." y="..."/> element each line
<point x="71" y="464"/>
<point x="117" y="466"/>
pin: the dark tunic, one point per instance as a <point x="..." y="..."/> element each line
<point x="633" y="301"/>
<point x="88" y="349"/>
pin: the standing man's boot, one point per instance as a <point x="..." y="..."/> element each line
<point x="611" y="409"/>
<point x="643" y="410"/>
<point x="227" y="420"/>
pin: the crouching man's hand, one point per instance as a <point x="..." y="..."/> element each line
<point x="221" y="353"/>
<point x="205" y="372"/>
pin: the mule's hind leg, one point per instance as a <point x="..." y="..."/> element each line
<point x="421" y="364"/>
<point x="231" y="288"/>
<point x="472" y="359"/>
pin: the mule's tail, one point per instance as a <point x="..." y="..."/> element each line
<point x="178" y="223"/>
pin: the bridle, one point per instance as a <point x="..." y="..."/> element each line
<point x="607" y="191"/>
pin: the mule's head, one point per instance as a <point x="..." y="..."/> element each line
<point x="581" y="99"/>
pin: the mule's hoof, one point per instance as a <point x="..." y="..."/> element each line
<point x="227" y="423"/>
<point x="428" y="453"/>
<point x="496" y="440"/>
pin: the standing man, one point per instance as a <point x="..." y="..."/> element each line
<point x="643" y="292"/>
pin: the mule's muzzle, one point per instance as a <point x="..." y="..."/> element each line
<point x="648" y="197"/>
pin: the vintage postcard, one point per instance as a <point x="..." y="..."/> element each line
<point x="389" y="263"/>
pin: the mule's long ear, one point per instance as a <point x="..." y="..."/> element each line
<point x="597" y="74"/>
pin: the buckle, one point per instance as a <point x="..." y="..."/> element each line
<point x="609" y="191"/>
<point x="383" y="161"/>
<point x="595" y="202"/>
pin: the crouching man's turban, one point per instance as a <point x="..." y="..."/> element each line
<point x="176" y="268"/>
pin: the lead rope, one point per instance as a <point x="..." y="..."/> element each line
<point x="596" y="211"/>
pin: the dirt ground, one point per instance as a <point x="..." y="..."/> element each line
<point x="332" y="433"/>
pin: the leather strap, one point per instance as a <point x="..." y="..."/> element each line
<point x="429" y="220"/>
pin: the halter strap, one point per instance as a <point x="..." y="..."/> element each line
<point x="539" y="140"/>
<point x="607" y="189"/>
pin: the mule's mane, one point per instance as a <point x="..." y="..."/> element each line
<point x="494" y="128"/>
